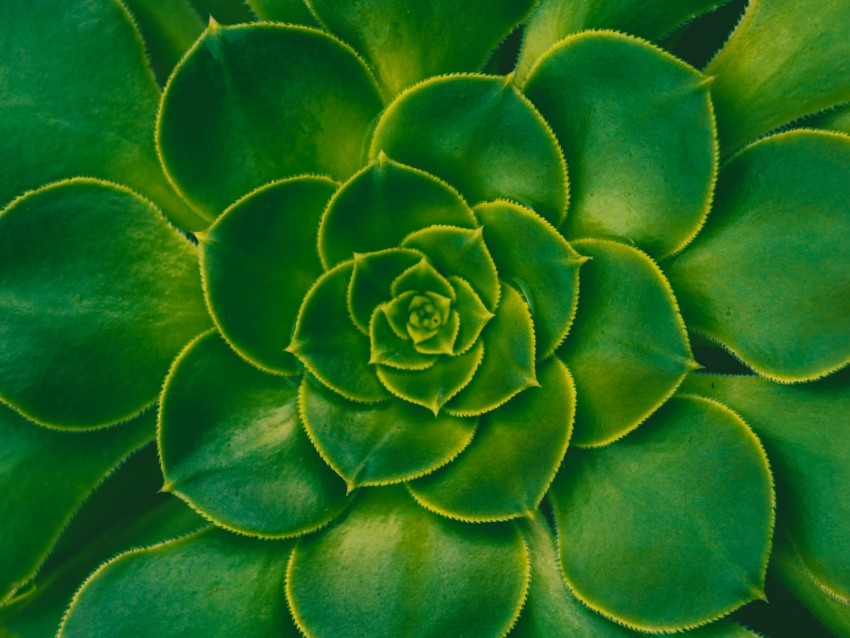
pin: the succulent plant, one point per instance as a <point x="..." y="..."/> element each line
<point x="392" y="318"/>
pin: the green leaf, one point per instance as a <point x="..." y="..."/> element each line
<point x="258" y="260"/>
<point x="508" y="365"/>
<point x="460" y="252"/>
<point x="381" y="205"/>
<point x="435" y="386"/>
<point x="224" y="11"/>
<point x="78" y="99"/>
<point x="389" y="349"/>
<point x="169" y="30"/>
<point x="126" y="511"/>
<point x="231" y="121"/>
<point x="92" y="311"/>
<point x="473" y="314"/>
<point x="232" y="446"/>
<point x="406" y="572"/>
<point x="508" y="467"/>
<point x="422" y="277"/>
<point x="781" y="62"/>
<point x="804" y="430"/>
<point x="382" y="443"/>
<point x="835" y="120"/>
<point x="481" y="135"/>
<point x="769" y="276"/>
<point x="681" y="511"/>
<point x="555" y="19"/>
<point x="289" y="11"/>
<point x="42" y="490"/>
<point x="628" y="349"/>
<point x="530" y="254"/>
<point x="371" y="280"/>
<point x="329" y="344"/>
<point x="407" y="42"/>
<point x="637" y="130"/>
<point x="210" y="583"/>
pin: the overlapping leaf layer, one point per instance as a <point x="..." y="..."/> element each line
<point x="421" y="308"/>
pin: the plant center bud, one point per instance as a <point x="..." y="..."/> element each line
<point x="424" y="314"/>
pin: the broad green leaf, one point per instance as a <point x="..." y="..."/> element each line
<point x="97" y="295"/>
<point x="329" y="344"/>
<point x="381" y="205"/>
<point x="126" y="511"/>
<point x="168" y="29"/>
<point x="372" y="279"/>
<point x="78" y="99"/>
<point x="835" y="120"/>
<point x="408" y="42"/>
<point x="681" y="511"/>
<point x="389" y="349"/>
<point x="212" y="583"/>
<point x="482" y="136"/>
<point x="460" y="252"/>
<point x="232" y="445"/>
<point x="805" y="431"/>
<point x="506" y="470"/>
<point x="769" y="276"/>
<point x="258" y="260"/>
<point x="508" y="365"/>
<point x="531" y="255"/>
<point x="553" y="20"/>
<point x="224" y="11"/>
<point x="433" y="387"/>
<point x="289" y="11"/>
<point x="473" y="313"/>
<point x="382" y="443"/>
<point x="230" y="121"/>
<point x="394" y="569"/>
<point x="637" y="130"/>
<point x="783" y="61"/>
<point x="627" y="349"/>
<point x="42" y="490"/>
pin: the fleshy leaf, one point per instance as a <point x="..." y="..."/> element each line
<point x="482" y="136"/>
<point x="230" y="122"/>
<point x="389" y="349"/>
<point x="210" y="583"/>
<point x="407" y="42"/>
<point x="330" y="345"/>
<point x="834" y="120"/>
<point x="637" y="130"/>
<point x="79" y="103"/>
<point x="383" y="203"/>
<point x="420" y="278"/>
<point x="232" y="446"/>
<point x="169" y="30"/>
<point x="693" y="485"/>
<point x="224" y="11"/>
<point x="628" y="349"/>
<point x="555" y="19"/>
<point x="258" y="260"/>
<point x="508" y="467"/>
<point x="433" y="387"/>
<point x="460" y="252"/>
<point x="289" y="11"/>
<point x="804" y="430"/>
<point x="508" y="365"/>
<point x="42" y="491"/>
<point x="530" y="254"/>
<point x="453" y="576"/>
<point x="382" y="443"/>
<point x="97" y="295"/>
<point x="473" y="313"/>
<point x="769" y="276"/>
<point x="778" y="65"/>
<point x="371" y="281"/>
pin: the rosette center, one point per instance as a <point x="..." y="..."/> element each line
<point x="427" y="313"/>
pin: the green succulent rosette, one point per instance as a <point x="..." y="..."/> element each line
<point x="417" y="319"/>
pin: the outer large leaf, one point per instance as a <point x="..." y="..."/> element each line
<point x="97" y="295"/>
<point x="681" y="511"/>
<point x="231" y="120"/>
<point x="769" y="276"/>
<point x="407" y="42"/>
<point x="42" y="490"/>
<point x="78" y="99"/>
<point x="394" y="569"/>
<point x="211" y="583"/>
<point x="232" y="445"/>
<point x="786" y="59"/>
<point x="289" y="11"/>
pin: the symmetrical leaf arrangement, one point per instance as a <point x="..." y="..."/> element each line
<point x="422" y="310"/>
